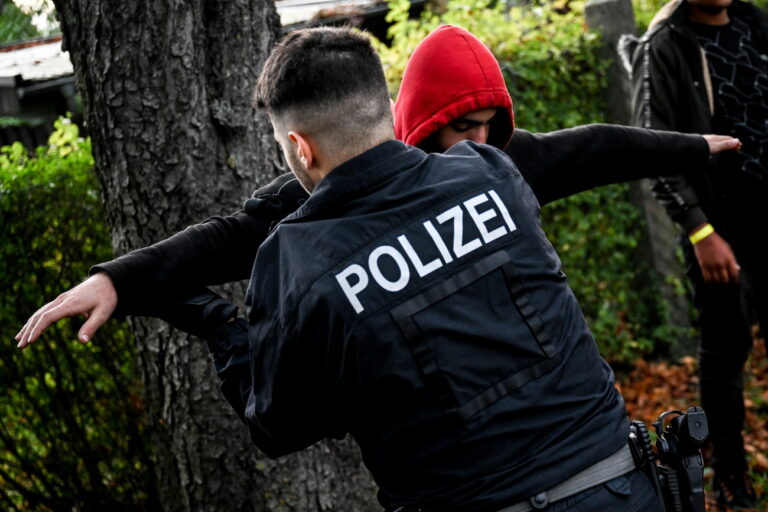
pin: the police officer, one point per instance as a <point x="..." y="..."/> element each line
<point x="419" y="307"/>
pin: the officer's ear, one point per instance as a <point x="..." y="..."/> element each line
<point x="304" y="149"/>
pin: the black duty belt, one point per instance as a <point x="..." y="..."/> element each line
<point x="614" y="466"/>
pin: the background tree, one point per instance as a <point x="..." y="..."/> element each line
<point x="166" y="91"/>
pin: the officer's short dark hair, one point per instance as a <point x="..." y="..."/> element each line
<point x="325" y="78"/>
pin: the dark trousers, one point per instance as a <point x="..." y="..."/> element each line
<point x="726" y="315"/>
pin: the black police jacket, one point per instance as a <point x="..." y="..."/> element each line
<point x="414" y="301"/>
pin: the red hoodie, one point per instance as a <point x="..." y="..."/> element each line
<point x="450" y="74"/>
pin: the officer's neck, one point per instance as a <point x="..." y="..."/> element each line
<point x="330" y="160"/>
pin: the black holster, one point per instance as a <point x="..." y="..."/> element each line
<point x="677" y="466"/>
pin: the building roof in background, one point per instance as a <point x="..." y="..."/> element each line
<point x="293" y="12"/>
<point x="35" y="61"/>
<point x="43" y="59"/>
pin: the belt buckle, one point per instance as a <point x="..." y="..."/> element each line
<point x="540" y="501"/>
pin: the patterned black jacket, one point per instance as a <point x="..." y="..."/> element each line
<point x="672" y="90"/>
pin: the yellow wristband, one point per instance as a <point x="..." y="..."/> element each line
<point x="701" y="234"/>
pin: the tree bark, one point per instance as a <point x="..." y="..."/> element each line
<point x="166" y="88"/>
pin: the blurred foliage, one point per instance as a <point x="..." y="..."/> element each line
<point x="549" y="59"/>
<point x="71" y="434"/>
<point x="645" y="10"/>
<point x="15" y="25"/>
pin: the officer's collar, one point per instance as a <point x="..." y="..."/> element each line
<point x="359" y="174"/>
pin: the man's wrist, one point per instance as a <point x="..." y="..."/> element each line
<point x="700" y="233"/>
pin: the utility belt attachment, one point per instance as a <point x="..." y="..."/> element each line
<point x="676" y="467"/>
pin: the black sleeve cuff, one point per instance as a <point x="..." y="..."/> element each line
<point x="691" y="219"/>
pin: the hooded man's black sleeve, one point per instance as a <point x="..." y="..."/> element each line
<point x="218" y="250"/>
<point x="564" y="162"/>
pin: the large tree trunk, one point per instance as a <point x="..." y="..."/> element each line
<point x="166" y="87"/>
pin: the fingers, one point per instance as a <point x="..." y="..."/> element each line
<point x="96" y="319"/>
<point x="23" y="336"/>
<point x="729" y="269"/>
<point x="42" y="319"/>
<point x="713" y="274"/>
<point x="725" y="273"/>
<point x="717" y="275"/>
<point x="734" y="271"/>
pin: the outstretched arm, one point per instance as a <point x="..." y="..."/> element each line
<point x="219" y="250"/>
<point x="565" y="162"/>
<point x="145" y="281"/>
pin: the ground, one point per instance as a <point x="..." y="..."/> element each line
<point x="651" y="388"/>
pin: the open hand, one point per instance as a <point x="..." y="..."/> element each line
<point x="718" y="143"/>
<point x="95" y="298"/>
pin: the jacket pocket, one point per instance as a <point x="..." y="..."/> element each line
<point x="477" y="336"/>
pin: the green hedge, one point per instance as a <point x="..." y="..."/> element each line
<point x="556" y="80"/>
<point x="71" y="436"/>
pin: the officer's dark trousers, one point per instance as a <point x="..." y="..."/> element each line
<point x="726" y="316"/>
<point x="632" y="492"/>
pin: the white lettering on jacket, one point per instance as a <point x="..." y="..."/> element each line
<point x="355" y="278"/>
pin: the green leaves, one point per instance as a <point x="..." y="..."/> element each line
<point x="15" y="25"/>
<point x="66" y="154"/>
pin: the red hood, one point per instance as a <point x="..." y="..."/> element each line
<point x="451" y="73"/>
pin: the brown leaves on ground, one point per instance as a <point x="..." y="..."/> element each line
<point x="654" y="387"/>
